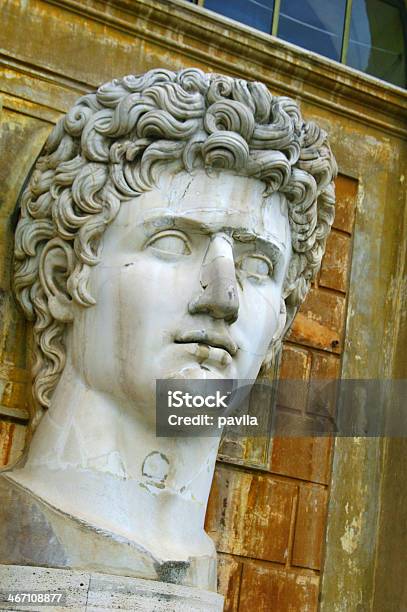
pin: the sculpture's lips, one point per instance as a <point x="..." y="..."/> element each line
<point x="210" y="338"/>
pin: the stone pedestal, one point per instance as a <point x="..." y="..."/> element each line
<point x="92" y="591"/>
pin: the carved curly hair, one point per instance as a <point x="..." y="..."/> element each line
<point x="109" y="147"/>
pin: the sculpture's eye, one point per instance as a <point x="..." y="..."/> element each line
<point x="170" y="242"/>
<point x="256" y="266"/>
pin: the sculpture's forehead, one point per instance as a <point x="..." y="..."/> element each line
<point x="212" y="203"/>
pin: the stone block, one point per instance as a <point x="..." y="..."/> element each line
<point x="268" y="589"/>
<point x="73" y="586"/>
<point x="250" y="514"/>
<point x="295" y="363"/>
<point x="250" y="451"/>
<point x="310" y="526"/>
<point x="307" y="458"/>
<point x="325" y="368"/>
<point x="229" y="575"/>
<point x="346" y="191"/>
<point x="118" y="593"/>
<point x="12" y="439"/>
<point x="92" y="591"/>
<point x="335" y="263"/>
<point x="14" y="395"/>
<point x="320" y="320"/>
<point x="295" y="366"/>
<point x="13" y="346"/>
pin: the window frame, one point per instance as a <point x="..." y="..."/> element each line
<point x="346" y="27"/>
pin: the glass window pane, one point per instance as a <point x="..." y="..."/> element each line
<point x="316" y="25"/>
<point x="255" y="13"/>
<point x="377" y="41"/>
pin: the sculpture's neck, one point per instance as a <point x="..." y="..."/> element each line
<point x="91" y="443"/>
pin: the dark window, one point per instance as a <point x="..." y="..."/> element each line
<point x="255" y="13"/>
<point x="316" y="25"/>
<point x="369" y="35"/>
<point x="377" y="43"/>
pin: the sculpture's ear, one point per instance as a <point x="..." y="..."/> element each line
<point x="56" y="264"/>
<point x="285" y="318"/>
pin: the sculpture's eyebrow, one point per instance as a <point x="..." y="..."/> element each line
<point x="271" y="249"/>
<point x="156" y="223"/>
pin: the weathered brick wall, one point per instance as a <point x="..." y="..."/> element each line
<point x="268" y="508"/>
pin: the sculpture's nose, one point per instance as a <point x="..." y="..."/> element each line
<point x="218" y="296"/>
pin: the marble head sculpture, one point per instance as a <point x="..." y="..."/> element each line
<point x="171" y="228"/>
